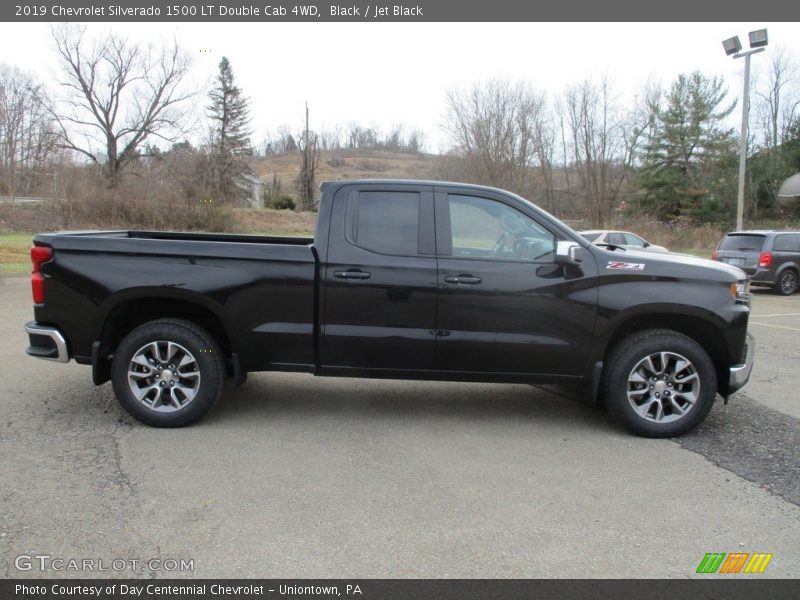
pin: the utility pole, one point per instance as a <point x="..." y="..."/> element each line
<point x="743" y="138"/>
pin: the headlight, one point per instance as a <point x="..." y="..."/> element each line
<point x="741" y="291"/>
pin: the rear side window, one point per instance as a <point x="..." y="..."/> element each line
<point x="742" y="243"/>
<point x="786" y="242"/>
<point x="387" y="222"/>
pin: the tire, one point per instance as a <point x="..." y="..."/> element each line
<point x="168" y="373"/>
<point x="787" y="283"/>
<point x="680" y="396"/>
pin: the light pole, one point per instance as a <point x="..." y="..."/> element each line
<point x="732" y="46"/>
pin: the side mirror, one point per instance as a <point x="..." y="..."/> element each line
<point x="568" y="253"/>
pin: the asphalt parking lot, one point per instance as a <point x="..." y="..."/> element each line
<point x="295" y="476"/>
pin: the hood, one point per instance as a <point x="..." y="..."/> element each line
<point x="681" y="261"/>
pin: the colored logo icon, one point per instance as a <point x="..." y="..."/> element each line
<point x="735" y="562"/>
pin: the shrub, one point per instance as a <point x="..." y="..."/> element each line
<point x="284" y="203"/>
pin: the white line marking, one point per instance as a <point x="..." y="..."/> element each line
<point x="775" y="326"/>
<point x="777" y="315"/>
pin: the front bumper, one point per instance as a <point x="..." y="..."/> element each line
<point x="46" y="342"/>
<point x="739" y="374"/>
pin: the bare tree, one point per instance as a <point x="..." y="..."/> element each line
<point x="117" y="95"/>
<point x="544" y="144"/>
<point x="27" y="143"/>
<point x="331" y="139"/>
<point x="779" y="97"/>
<point x="280" y="141"/>
<point x="604" y="142"/>
<point x="493" y="127"/>
<point x="566" y="193"/>
<point x="309" y="162"/>
<point x="416" y="141"/>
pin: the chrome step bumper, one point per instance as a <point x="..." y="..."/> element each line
<point x="46" y="342"/>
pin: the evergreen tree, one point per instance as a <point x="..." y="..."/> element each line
<point x="687" y="160"/>
<point x="230" y="136"/>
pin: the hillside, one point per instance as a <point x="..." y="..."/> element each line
<point x="347" y="164"/>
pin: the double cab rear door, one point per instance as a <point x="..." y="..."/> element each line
<point x="449" y="281"/>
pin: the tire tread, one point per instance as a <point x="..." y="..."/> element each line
<point x="617" y="402"/>
<point x="194" y="411"/>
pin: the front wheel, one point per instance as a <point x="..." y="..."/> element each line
<point x="168" y="372"/>
<point x="659" y="383"/>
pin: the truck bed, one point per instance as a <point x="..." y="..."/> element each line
<point x="260" y="287"/>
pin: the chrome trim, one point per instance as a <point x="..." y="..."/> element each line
<point x="55" y="335"/>
<point x="739" y="374"/>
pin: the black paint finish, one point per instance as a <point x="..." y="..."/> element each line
<point x="335" y="305"/>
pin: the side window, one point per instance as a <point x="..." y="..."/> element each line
<point x="483" y="228"/>
<point x="633" y="240"/>
<point x="786" y="242"/>
<point x="617" y="239"/>
<point x="386" y="222"/>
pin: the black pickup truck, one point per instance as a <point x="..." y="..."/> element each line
<point x="403" y="279"/>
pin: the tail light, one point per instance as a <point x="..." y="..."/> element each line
<point x="714" y="255"/>
<point x="39" y="255"/>
<point x="765" y="260"/>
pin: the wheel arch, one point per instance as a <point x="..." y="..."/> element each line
<point x="705" y="332"/>
<point x="123" y="313"/>
<point x="787" y="266"/>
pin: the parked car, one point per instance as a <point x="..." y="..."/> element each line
<point x="405" y="280"/>
<point x="623" y="239"/>
<point x="770" y="258"/>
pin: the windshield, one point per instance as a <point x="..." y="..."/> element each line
<point x="742" y="243"/>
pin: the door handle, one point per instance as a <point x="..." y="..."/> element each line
<point x="463" y="279"/>
<point x="352" y="275"/>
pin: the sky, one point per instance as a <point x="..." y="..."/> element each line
<point x="384" y="74"/>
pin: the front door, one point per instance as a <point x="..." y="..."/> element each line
<point x="505" y="307"/>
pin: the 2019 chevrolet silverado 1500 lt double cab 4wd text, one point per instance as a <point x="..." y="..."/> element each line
<point x="403" y="279"/>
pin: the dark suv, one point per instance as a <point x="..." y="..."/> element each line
<point x="770" y="258"/>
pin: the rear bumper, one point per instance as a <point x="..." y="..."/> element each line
<point x="46" y="342"/>
<point x="739" y="374"/>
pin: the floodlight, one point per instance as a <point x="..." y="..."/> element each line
<point x="758" y="38"/>
<point x="732" y="45"/>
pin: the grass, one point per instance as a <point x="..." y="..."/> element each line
<point x="15" y="252"/>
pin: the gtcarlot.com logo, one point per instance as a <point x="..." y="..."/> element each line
<point x="735" y="562"/>
<point x="47" y="562"/>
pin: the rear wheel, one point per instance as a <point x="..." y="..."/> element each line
<point x="168" y="373"/>
<point x="659" y="383"/>
<point x="787" y="283"/>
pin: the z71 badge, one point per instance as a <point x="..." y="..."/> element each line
<point x="619" y="265"/>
